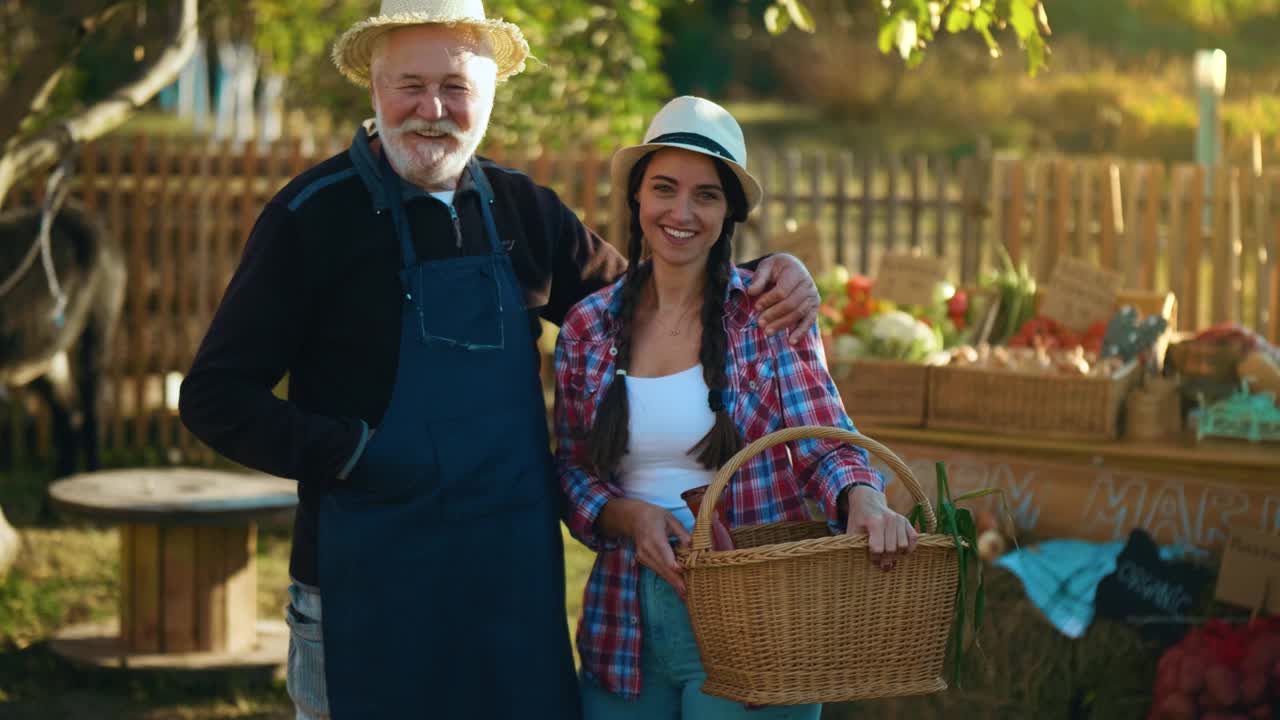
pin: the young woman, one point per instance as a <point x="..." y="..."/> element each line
<point x="661" y="377"/>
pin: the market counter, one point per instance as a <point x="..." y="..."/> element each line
<point x="1178" y="491"/>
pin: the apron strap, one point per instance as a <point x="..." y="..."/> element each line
<point x="486" y="205"/>
<point x="391" y="185"/>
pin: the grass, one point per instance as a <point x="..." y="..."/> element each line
<point x="66" y="573"/>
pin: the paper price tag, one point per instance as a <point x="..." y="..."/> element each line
<point x="1250" y="573"/>
<point x="908" y="279"/>
<point x="1080" y="294"/>
<point x="804" y="242"/>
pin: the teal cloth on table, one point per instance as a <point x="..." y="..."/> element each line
<point x="1061" y="577"/>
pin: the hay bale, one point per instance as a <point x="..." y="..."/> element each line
<point x="1023" y="667"/>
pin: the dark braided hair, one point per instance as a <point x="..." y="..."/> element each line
<point x="611" y="434"/>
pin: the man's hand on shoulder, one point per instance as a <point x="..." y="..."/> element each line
<point x="786" y="296"/>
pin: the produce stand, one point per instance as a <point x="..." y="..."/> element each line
<point x="1095" y="419"/>
<point x="1177" y="490"/>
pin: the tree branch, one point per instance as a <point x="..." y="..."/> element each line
<point x="34" y="82"/>
<point x="92" y="122"/>
<point x="34" y="79"/>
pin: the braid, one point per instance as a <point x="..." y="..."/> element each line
<point x="611" y="434"/>
<point x="723" y="440"/>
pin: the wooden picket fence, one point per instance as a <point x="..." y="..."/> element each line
<point x="1212" y="237"/>
<point x="184" y="208"/>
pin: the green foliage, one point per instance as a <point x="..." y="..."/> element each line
<point x="288" y="31"/>
<point x="1210" y="14"/>
<point x="958" y="522"/>
<point x="908" y="26"/>
<point x="1139" y="28"/>
<point x="1017" y="289"/>
<point x="594" y="72"/>
<point x="1122" y="90"/>
<point x="597" y="72"/>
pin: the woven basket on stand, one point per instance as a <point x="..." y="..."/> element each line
<point x="795" y="615"/>
<point x="883" y="392"/>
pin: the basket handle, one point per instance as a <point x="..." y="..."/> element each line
<point x="702" y="525"/>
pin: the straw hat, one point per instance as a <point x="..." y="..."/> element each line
<point x="697" y="125"/>
<point x="354" y="49"/>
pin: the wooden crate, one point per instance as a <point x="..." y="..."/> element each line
<point x="882" y="392"/>
<point x="1056" y="406"/>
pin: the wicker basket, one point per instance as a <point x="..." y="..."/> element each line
<point x="882" y="392"/>
<point x="1055" y="406"/>
<point x="795" y="615"/>
<point x="1154" y="410"/>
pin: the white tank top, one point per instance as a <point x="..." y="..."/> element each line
<point x="669" y="415"/>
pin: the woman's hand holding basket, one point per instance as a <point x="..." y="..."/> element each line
<point x="889" y="534"/>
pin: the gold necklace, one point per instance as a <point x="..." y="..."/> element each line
<point x="679" y="321"/>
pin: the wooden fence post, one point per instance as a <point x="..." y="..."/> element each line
<point x="941" y="203"/>
<point x="865" y="212"/>
<point x="1153" y="183"/>
<point x="1014" y="209"/>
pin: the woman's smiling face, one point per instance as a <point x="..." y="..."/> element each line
<point x="682" y="206"/>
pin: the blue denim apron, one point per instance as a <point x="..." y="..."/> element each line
<point x="441" y="562"/>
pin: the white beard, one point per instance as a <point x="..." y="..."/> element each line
<point x="429" y="167"/>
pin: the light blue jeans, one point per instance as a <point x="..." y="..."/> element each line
<point x="305" y="677"/>
<point x="671" y="671"/>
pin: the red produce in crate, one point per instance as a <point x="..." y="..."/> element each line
<point x="1223" y="670"/>
<point x="958" y="308"/>
<point x="1263" y="652"/>
<point x="1253" y="687"/>
<point x="1223" y="685"/>
<point x="1175" y="707"/>
<point x="1191" y="674"/>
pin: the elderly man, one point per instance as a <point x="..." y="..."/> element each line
<point x="399" y="285"/>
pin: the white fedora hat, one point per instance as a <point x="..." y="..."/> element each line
<point x="697" y="125"/>
<point x="354" y="49"/>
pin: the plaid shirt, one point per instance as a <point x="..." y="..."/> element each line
<point x="772" y="385"/>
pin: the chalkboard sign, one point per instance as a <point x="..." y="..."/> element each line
<point x="1146" y="590"/>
